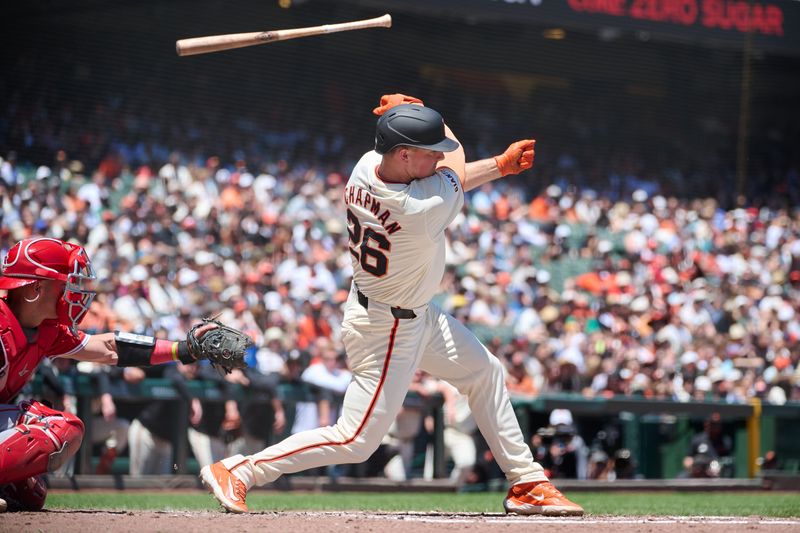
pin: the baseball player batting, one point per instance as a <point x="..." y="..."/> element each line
<point x="400" y="198"/>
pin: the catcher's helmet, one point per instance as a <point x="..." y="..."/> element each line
<point x="412" y="125"/>
<point x="52" y="259"/>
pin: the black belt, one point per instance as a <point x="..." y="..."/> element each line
<point x="396" y="311"/>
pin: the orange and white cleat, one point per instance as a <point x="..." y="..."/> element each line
<point x="540" y="498"/>
<point x="228" y="489"/>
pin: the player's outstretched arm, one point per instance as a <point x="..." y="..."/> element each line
<point x="222" y="345"/>
<point x="517" y="157"/>
<point x="125" y="349"/>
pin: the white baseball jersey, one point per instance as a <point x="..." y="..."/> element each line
<point x="396" y="232"/>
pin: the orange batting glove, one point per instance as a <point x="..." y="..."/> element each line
<point x="388" y="101"/>
<point x="517" y="157"/>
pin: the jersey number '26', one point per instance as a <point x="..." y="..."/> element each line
<point x="372" y="259"/>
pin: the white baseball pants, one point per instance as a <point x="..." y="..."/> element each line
<point x="383" y="353"/>
<point x="149" y="454"/>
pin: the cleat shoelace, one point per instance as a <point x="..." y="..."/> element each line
<point x="553" y="491"/>
<point x="241" y="492"/>
<point x="548" y="490"/>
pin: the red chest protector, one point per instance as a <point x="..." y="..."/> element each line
<point x="19" y="358"/>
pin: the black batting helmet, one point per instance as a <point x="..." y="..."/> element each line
<point x="412" y="125"/>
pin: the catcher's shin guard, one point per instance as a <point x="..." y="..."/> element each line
<point x="42" y="441"/>
<point x="26" y="495"/>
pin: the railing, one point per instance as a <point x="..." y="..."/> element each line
<point x="756" y="427"/>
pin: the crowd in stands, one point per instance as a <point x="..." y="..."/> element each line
<point x="599" y="287"/>
<point x="623" y="264"/>
<point x="648" y="295"/>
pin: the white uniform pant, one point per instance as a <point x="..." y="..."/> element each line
<point x="400" y="440"/>
<point x="206" y="449"/>
<point x="114" y="432"/>
<point x="460" y="447"/>
<point x="383" y="353"/>
<point x="246" y="444"/>
<point x="150" y="454"/>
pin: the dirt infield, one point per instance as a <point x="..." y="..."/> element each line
<point x="314" y="522"/>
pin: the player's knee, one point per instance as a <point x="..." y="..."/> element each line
<point x="74" y="430"/>
<point x="483" y="378"/>
<point x="42" y="441"/>
<point x="69" y="430"/>
<point x="361" y="450"/>
<point x="61" y="432"/>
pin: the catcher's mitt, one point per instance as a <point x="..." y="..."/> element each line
<point x="223" y="346"/>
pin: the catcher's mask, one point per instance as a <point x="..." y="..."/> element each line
<point x="412" y="125"/>
<point x="52" y="259"/>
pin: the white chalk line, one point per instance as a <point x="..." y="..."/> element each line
<point x="504" y="519"/>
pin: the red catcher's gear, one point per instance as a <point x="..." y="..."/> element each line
<point x="42" y="441"/>
<point x="19" y="356"/>
<point x="44" y="258"/>
<point x="26" y="495"/>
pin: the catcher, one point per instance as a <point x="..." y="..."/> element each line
<point x="48" y="284"/>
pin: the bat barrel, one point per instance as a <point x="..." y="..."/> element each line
<point x="216" y="43"/>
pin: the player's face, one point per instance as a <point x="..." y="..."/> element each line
<point x="422" y="163"/>
<point x="52" y="291"/>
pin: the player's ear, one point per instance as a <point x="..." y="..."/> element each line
<point x="35" y="288"/>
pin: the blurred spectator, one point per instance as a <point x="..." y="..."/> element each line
<point x="107" y="428"/>
<point x="213" y="423"/>
<point x="310" y="405"/>
<point x="518" y="379"/>
<point x="9" y="172"/>
<point x="328" y="371"/>
<point x="624" y="466"/>
<point x="459" y="433"/>
<point x="151" y="433"/>
<point x="263" y="416"/>
<point x="399" y="442"/>
<point x="717" y="443"/>
<point x="710" y="451"/>
<point x="328" y="378"/>
<point x="563" y="452"/>
<point x="599" y="466"/>
<point x="700" y="465"/>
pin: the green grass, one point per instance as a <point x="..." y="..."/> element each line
<point x="768" y="504"/>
